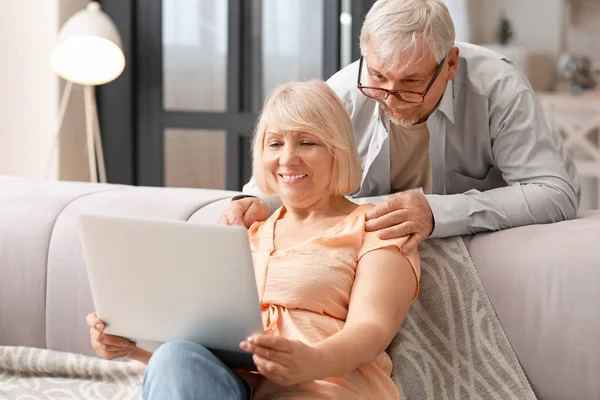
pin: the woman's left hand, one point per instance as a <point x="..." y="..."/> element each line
<point x="283" y="361"/>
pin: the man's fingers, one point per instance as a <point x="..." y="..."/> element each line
<point x="231" y="220"/>
<point x="379" y="210"/>
<point x="257" y="211"/>
<point x="397" y="231"/>
<point x="396" y="202"/>
<point x="388" y="220"/>
<point x="411" y="244"/>
<point x="244" y="212"/>
<point x="237" y="220"/>
<point x="232" y="213"/>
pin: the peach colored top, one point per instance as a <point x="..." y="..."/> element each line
<point x="304" y="292"/>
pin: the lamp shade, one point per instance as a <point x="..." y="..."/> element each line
<point x="89" y="49"/>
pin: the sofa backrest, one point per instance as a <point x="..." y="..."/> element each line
<point x="44" y="291"/>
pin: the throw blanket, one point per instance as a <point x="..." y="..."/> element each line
<point x="451" y="346"/>
<point x="28" y="373"/>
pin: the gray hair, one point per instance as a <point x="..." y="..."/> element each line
<point x="392" y="27"/>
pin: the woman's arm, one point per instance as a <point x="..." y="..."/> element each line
<point x="141" y="355"/>
<point x="383" y="290"/>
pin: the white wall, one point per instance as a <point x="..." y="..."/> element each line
<point x="538" y="28"/>
<point x="536" y="23"/>
<point x="28" y="87"/>
<point x="72" y="163"/>
<point x="30" y="92"/>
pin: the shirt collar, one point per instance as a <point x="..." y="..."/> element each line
<point x="446" y="104"/>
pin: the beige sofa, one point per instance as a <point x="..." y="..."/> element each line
<point x="543" y="281"/>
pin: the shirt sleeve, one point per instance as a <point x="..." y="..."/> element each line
<point x="532" y="160"/>
<point x="372" y="242"/>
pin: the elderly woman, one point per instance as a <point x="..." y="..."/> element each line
<point x="333" y="295"/>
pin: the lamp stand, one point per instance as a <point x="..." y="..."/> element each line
<point x="92" y="129"/>
<point x="94" y="141"/>
<point x="64" y="101"/>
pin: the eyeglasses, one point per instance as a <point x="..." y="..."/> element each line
<point x="406" y="96"/>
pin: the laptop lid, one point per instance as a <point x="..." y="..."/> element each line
<point x="161" y="280"/>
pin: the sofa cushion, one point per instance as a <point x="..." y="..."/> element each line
<point x="69" y="297"/>
<point x="544" y="283"/>
<point x="28" y="211"/>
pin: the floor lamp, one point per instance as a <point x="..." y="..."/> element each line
<point x="89" y="52"/>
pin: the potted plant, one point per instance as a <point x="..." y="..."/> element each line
<point x="504" y="37"/>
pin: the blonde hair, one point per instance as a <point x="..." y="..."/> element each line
<point x="311" y="107"/>
<point x="392" y="27"/>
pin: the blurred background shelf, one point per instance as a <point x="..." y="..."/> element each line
<point x="577" y="120"/>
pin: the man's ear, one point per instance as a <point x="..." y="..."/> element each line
<point x="452" y="62"/>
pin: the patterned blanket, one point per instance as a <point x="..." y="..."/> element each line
<point x="451" y="347"/>
<point x="32" y="374"/>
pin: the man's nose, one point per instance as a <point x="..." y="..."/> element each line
<point x="392" y="101"/>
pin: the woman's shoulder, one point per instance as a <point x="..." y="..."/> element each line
<point x="364" y="208"/>
<point x="357" y="218"/>
<point x="261" y="228"/>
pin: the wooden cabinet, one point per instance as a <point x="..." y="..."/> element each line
<point x="577" y="119"/>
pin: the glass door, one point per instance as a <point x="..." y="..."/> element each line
<point x="207" y="67"/>
<point x="197" y="73"/>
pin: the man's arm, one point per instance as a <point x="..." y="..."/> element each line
<point x="543" y="185"/>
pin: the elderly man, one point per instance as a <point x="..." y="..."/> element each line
<point x="457" y="121"/>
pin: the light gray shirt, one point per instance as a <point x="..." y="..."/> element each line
<point x="495" y="162"/>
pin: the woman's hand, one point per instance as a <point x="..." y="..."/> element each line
<point x="109" y="346"/>
<point x="283" y="361"/>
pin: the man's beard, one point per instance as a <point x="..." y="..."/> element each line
<point x="407" y="121"/>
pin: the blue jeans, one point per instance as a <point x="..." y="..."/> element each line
<point x="186" y="370"/>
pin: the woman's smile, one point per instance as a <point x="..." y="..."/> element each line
<point x="292" y="179"/>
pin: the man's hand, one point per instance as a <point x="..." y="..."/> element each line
<point x="244" y="212"/>
<point x="401" y="215"/>
<point x="283" y="361"/>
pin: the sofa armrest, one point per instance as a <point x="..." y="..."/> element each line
<point x="544" y="284"/>
<point x="44" y="289"/>
<point x="210" y="213"/>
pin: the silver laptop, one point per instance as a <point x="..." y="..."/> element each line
<point x="157" y="280"/>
